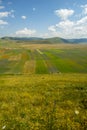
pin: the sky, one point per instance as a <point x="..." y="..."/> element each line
<point x="43" y="18"/>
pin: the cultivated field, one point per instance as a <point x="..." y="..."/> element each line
<point x="43" y="87"/>
<point x="20" y="58"/>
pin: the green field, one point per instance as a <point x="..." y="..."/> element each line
<point x="43" y="87"/>
<point x="21" y="60"/>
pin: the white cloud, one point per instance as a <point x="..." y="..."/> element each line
<point x="70" y="29"/>
<point x="9" y="3"/>
<point x="84" y="9"/>
<point x="25" y="32"/>
<point x="66" y="28"/>
<point x="6" y="14"/>
<point x="62" y="29"/>
<point x="23" y="17"/>
<point x="65" y="24"/>
<point x="84" y="6"/>
<point x="2" y="22"/>
<point x="82" y="21"/>
<point x="52" y="28"/>
<point x="2" y="7"/>
<point x="34" y="9"/>
<point x="12" y="11"/>
<point x="64" y="13"/>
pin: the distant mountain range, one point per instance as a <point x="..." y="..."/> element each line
<point x="47" y="40"/>
<point x="22" y="38"/>
<point x="80" y="40"/>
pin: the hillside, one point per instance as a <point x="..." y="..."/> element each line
<point x="46" y="40"/>
<point x="80" y="40"/>
<point x="36" y="40"/>
<point x="22" y="38"/>
<point x="57" y="40"/>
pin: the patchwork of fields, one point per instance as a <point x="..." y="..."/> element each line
<point x="43" y="87"/>
<point x="43" y="61"/>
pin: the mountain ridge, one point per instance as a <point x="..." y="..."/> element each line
<point x="47" y="40"/>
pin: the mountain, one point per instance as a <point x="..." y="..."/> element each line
<point x="37" y="40"/>
<point x="57" y="40"/>
<point x="80" y="40"/>
<point x="22" y="38"/>
<point x="53" y="40"/>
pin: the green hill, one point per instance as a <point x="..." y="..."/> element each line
<point x="37" y="40"/>
<point x="46" y="40"/>
<point x="57" y="40"/>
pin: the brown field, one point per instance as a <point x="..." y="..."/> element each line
<point x="53" y="46"/>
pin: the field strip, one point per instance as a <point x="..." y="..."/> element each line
<point x="68" y="62"/>
<point x="39" y="51"/>
<point x="51" y="68"/>
<point x="41" y="67"/>
<point x="31" y="64"/>
<point x="29" y="67"/>
<point x="15" y="57"/>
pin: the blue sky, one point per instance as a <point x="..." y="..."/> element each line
<point x="43" y="18"/>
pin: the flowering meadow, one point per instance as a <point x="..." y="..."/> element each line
<point x="43" y="102"/>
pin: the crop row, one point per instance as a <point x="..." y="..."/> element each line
<point x="20" y="61"/>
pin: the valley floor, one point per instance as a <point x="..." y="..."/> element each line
<point x="43" y="87"/>
<point x="44" y="59"/>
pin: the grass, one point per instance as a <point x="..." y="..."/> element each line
<point x="41" y="67"/>
<point x="73" y="60"/>
<point x="47" y="102"/>
<point x="43" y="87"/>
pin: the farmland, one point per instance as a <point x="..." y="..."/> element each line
<point x="42" y="59"/>
<point x="43" y="87"/>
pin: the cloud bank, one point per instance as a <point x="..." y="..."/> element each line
<point x="68" y="28"/>
<point x="64" y="13"/>
<point x="2" y="22"/>
<point x="25" y="32"/>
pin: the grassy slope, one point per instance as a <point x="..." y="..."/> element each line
<point x="42" y="102"/>
<point x="37" y="40"/>
<point x="47" y="102"/>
